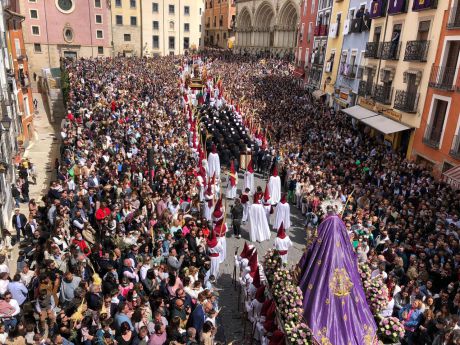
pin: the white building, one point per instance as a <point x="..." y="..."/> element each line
<point x="267" y="25"/>
<point x="172" y="27"/>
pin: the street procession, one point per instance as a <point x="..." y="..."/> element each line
<point x="169" y="178"/>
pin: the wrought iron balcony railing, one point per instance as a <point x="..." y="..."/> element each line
<point x="406" y="101"/>
<point x="390" y="50"/>
<point x="349" y="71"/>
<point x="416" y="51"/>
<point x="318" y="59"/>
<point x="454" y="18"/>
<point x="455" y="150"/>
<point x="432" y="139"/>
<point x="365" y="88"/>
<point x="372" y="50"/>
<point x="442" y="78"/>
<point x="356" y="25"/>
<point x="382" y="94"/>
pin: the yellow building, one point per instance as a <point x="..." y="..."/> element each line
<point x="402" y="47"/>
<point x="334" y="47"/>
<point x="126" y="27"/>
<point x="172" y="27"/>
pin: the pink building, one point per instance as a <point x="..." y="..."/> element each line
<point x="65" y="28"/>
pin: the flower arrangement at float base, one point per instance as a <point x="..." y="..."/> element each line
<point x="288" y="297"/>
<point x="364" y="272"/>
<point x="390" y="330"/>
<point x="376" y="294"/>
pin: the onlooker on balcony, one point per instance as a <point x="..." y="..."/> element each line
<point x="395" y="43"/>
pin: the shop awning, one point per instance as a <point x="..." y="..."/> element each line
<point x="317" y="94"/>
<point x="384" y="124"/>
<point x="359" y="112"/>
<point x="452" y="177"/>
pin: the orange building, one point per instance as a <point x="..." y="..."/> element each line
<point x="219" y="21"/>
<point x="437" y="141"/>
<point x="18" y="57"/>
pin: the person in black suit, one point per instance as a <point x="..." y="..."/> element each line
<point x="19" y="222"/>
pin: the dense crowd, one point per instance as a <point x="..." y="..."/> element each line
<point x="402" y="222"/>
<point x="116" y="251"/>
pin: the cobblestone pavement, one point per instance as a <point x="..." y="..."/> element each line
<point x="232" y="329"/>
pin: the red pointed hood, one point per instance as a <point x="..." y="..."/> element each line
<point x="256" y="278"/>
<point x="203" y="173"/>
<point x="277" y="338"/>
<point x="218" y="212"/>
<point x="232" y="174"/>
<point x="245" y="251"/>
<point x="253" y="262"/>
<point x="213" y="148"/>
<point x="212" y="240"/>
<point x="256" y="198"/>
<point x="275" y="171"/>
<point x="201" y="154"/>
<point x="260" y="294"/>
<point x="185" y="97"/>
<point x="283" y="198"/>
<point x="281" y="233"/>
<point x="266" y="306"/>
<point x="209" y="189"/>
<point x="250" y="167"/>
<point x="266" y="194"/>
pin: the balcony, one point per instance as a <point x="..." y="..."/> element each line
<point x="24" y="81"/>
<point x="406" y="101"/>
<point x="390" y="50"/>
<point x="321" y="30"/>
<point x="356" y="25"/>
<point x="22" y="54"/>
<point x="416" y="51"/>
<point x="382" y="94"/>
<point x="365" y="89"/>
<point x="455" y="150"/>
<point x="431" y="139"/>
<point x="454" y="18"/>
<point x="349" y="71"/>
<point x="318" y="59"/>
<point x="442" y="78"/>
<point x="372" y="50"/>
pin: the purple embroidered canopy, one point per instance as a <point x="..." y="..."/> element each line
<point x="420" y="5"/>
<point x="335" y="306"/>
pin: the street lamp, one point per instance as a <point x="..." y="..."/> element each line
<point x="6" y="123"/>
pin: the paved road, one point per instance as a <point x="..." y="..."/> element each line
<point x="231" y="326"/>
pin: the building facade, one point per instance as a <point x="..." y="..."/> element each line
<point x="220" y="21"/>
<point x="318" y="55"/>
<point x="397" y="64"/>
<point x="172" y="27"/>
<point x="437" y="141"/>
<point x="351" y="58"/>
<point x="22" y="91"/>
<point x="126" y="23"/>
<point x="10" y="123"/>
<point x="267" y="26"/>
<point x="305" y="38"/>
<point x="333" y="54"/>
<point x="54" y="29"/>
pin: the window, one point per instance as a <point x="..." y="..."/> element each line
<point x="186" y="27"/>
<point x="118" y="3"/>
<point x="99" y="34"/>
<point x="98" y="19"/>
<point x="37" y="47"/>
<point x="310" y="29"/>
<point x="156" y="25"/>
<point x="312" y="6"/>
<point x="35" y="30"/>
<point x="171" y="9"/>
<point x="171" y="25"/>
<point x="33" y="14"/>
<point x="200" y="11"/>
<point x="97" y="3"/>
<point x="435" y="128"/>
<point x="199" y="28"/>
<point x="305" y="5"/>
<point x="172" y="42"/>
<point x="225" y="35"/>
<point x="133" y="21"/>
<point x="156" y="42"/>
<point x="100" y="50"/>
<point x="186" y="10"/>
<point x="127" y="37"/>
<point x="119" y="20"/>
<point x="132" y="3"/>
<point x="186" y="42"/>
<point x="155" y="7"/>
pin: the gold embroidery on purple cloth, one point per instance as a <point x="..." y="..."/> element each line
<point x="340" y="283"/>
<point x="369" y="337"/>
<point x="345" y="317"/>
<point x="319" y="262"/>
<point x="310" y="286"/>
<point x="323" y="337"/>
<point x="328" y="301"/>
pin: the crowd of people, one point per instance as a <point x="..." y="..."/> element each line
<point x="118" y="250"/>
<point x="402" y="221"/>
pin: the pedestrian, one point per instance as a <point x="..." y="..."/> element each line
<point x="16" y="193"/>
<point x="237" y="217"/>
<point x="19" y="222"/>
